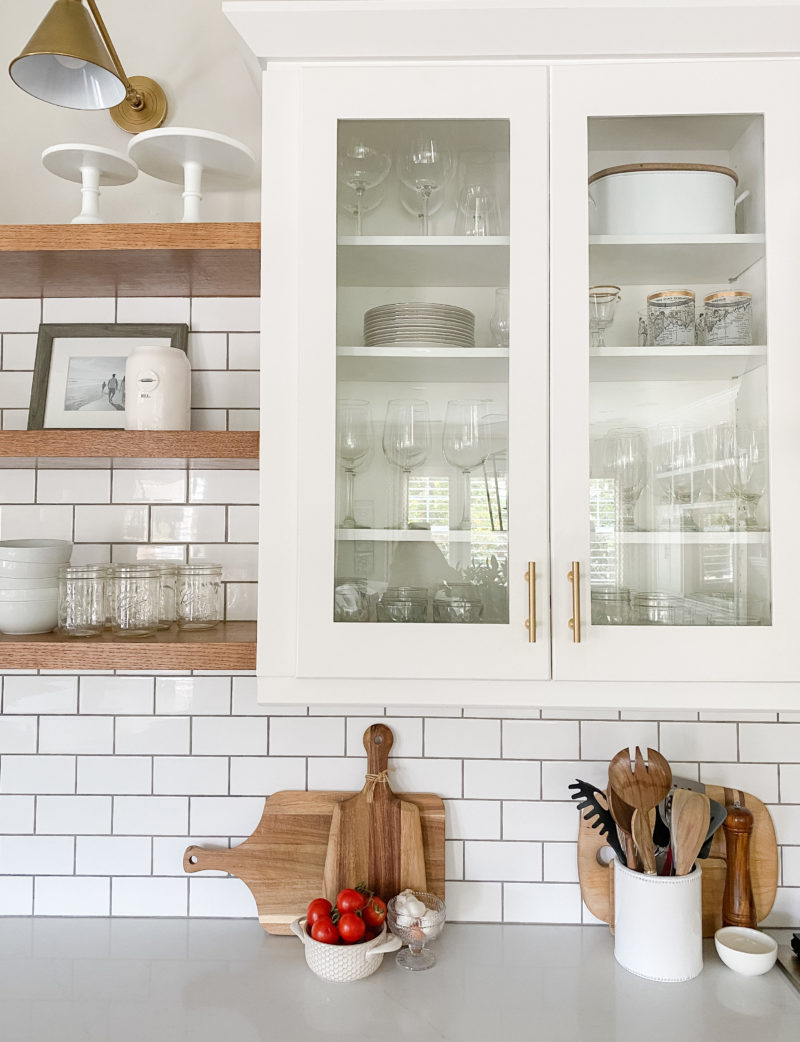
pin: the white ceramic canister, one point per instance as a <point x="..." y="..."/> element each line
<point x="663" y="199"/>
<point x="658" y="924"/>
<point x="158" y="389"/>
<point x="728" y="317"/>
<point x="670" y="318"/>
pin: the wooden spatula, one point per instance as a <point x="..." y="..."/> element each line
<point x="644" y="786"/>
<point x="375" y="837"/>
<point x="689" y="818"/>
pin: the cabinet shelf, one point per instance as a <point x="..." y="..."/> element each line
<point x="646" y="260"/>
<point x="411" y="362"/>
<point x="611" y="364"/>
<point x="229" y="646"/>
<point x="407" y="535"/>
<point x="683" y="538"/>
<point x="130" y="444"/>
<point x="414" y="260"/>
<point x="129" y="260"/>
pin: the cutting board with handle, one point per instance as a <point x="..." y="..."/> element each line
<point x="283" y="861"/>
<point x="375" y="837"/>
<point x="597" y="879"/>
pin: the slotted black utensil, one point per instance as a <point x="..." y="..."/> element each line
<point x="588" y="806"/>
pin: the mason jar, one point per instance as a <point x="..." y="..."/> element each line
<point x="198" y="595"/>
<point x="457" y="602"/>
<point x="403" y="604"/>
<point x="82" y="599"/>
<point x="611" y="605"/>
<point x="166" y="598"/>
<point x="134" y="600"/>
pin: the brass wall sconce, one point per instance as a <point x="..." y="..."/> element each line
<point x="71" y="61"/>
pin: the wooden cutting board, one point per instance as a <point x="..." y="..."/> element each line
<point x="283" y="861"/>
<point x="375" y="837"/>
<point x="596" y="879"/>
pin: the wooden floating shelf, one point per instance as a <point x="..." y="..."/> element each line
<point x="126" y="260"/>
<point x="229" y="646"/>
<point x="131" y="444"/>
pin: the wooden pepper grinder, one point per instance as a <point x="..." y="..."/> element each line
<point x="738" y="905"/>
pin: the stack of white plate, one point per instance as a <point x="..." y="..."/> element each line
<point x="29" y="583"/>
<point x="422" y="323"/>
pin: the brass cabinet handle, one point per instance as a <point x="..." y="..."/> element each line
<point x="530" y="622"/>
<point x="574" y="577"/>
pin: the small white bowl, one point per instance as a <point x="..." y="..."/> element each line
<point x="9" y="583"/>
<point x="746" y="951"/>
<point x="36" y="551"/>
<point x="45" y="593"/>
<point x="342" y="963"/>
<point x="23" y="617"/>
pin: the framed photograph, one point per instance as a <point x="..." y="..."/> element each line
<point x="79" y="372"/>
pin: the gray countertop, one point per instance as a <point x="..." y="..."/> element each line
<point x="212" y="980"/>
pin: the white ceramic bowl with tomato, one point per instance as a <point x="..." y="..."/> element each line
<point x="345" y="962"/>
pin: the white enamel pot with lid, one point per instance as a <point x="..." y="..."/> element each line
<point x="664" y="199"/>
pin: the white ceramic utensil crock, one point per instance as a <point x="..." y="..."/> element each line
<point x="345" y="962"/>
<point x="663" y="199"/>
<point x="158" y="389"/>
<point x="658" y="924"/>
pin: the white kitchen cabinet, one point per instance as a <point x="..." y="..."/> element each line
<point x="720" y="558"/>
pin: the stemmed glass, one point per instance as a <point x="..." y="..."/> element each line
<point x="625" y="459"/>
<point x="602" y="301"/>
<point x="406" y="441"/>
<point x="466" y="444"/>
<point x="425" y="166"/>
<point x="353" y="443"/>
<point x="365" y="202"/>
<point x="750" y="480"/>
<point x="362" y="167"/>
<point x="497" y="458"/>
<point x="499" y="322"/>
<point x="413" y="202"/>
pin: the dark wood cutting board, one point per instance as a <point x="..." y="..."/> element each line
<point x="283" y="861"/>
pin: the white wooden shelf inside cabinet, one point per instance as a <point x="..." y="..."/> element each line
<point x="646" y="260"/>
<point x="411" y="362"/>
<point x="612" y="364"/>
<point x="409" y="535"/>
<point x="416" y="260"/>
<point x="684" y="538"/>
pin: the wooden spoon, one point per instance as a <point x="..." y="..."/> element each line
<point x="622" y="814"/>
<point x="644" y="786"/>
<point x="689" y="819"/>
<point x="642" y="832"/>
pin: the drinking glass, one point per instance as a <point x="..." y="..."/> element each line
<point x="477" y="212"/>
<point x="198" y="592"/>
<point x="679" y="454"/>
<point x="353" y="441"/>
<point x="134" y="600"/>
<point x="82" y="599"/>
<point x="361" y="166"/>
<point x="750" y="481"/>
<point x="495" y="469"/>
<point x="498" y="323"/>
<point x="602" y="301"/>
<point x="351" y="202"/>
<point x="413" y="202"/>
<point x="406" y="441"/>
<point x="465" y="444"/>
<point x="427" y="164"/>
<point x="626" y="461"/>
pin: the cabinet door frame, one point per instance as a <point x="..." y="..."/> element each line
<point x="671" y="88"/>
<point x="517" y="93"/>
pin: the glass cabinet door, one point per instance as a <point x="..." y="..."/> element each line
<point x="422" y="363"/>
<point x="672" y="355"/>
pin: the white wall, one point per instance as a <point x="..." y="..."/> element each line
<point x="187" y="46"/>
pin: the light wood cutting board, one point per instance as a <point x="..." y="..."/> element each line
<point x="596" y="879"/>
<point x="283" y="861"/>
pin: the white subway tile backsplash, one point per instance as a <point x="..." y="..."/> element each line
<point x="72" y="895"/>
<point x="560" y="862"/>
<point x="37" y="855"/>
<point x="73" y="815"/>
<point x="407" y="734"/>
<point x="152" y="735"/>
<point x="149" y="486"/>
<point x="40" y="694"/>
<point x="419" y="775"/>
<point x="17" y="486"/>
<point x="18" y="734"/>
<point x="168" y="853"/>
<point x="225" y="816"/>
<point x="113" y="856"/>
<point x="243" y="419"/>
<point x="14" y="419"/>
<point x="502" y="861"/>
<point x="242" y="524"/>
<point x="786" y="910"/>
<point x="602" y="739"/>
<point x="226" y="313"/>
<point x="241" y="601"/>
<point x="208" y="350"/>
<point x="244" y="351"/>
<point x="453" y="859"/>
<point x="790" y="784"/>
<point x="223" y="486"/>
<point x="542" y="903"/>
<point x="190" y="775"/>
<point x="245" y="700"/>
<point x="770" y="742"/>
<point x="262" y="775"/>
<point x="76" y="734"/>
<point x="194" y="696"/>
<point x="496" y="779"/>
<point x="19" y="350"/>
<point x="79" y="309"/>
<point x="16" y="815"/>
<point x="73" y="486"/>
<point x="229" y="736"/>
<point x="342" y="772"/>
<point x="307" y="736"/>
<point x="225" y="898"/>
<point x="150" y="815"/>
<point x="786" y="820"/>
<point x="469" y="902"/>
<point x="37" y="774"/>
<point x="462" y="738"/>
<point x="210" y="419"/>
<point x="759" y="779"/>
<point x="791" y="866"/>
<point x="223" y="390"/>
<point x="15" y="390"/>
<point x="36" y="522"/>
<point x="118" y="696"/>
<point x="151" y="897"/>
<point x="111" y="524"/>
<point x="530" y="820"/>
<point x="698" y="741"/>
<point x="541" y="739"/>
<point x="558" y="776"/>
<point x="196" y="524"/>
<point x="20" y="314"/>
<point x="239" y="562"/>
<point x="16" y="896"/>
<point x="114" y="774"/>
<point x="153" y="309"/>
<point x="473" y="819"/>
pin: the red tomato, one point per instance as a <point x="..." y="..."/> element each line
<point x="370" y="934"/>
<point x="350" y="901"/>
<point x="351" y="928"/>
<point x="325" y="931"/>
<point x="318" y="909"/>
<point x="374" y="913"/>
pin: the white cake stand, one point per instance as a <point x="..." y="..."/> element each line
<point x="91" y="166"/>
<point x="191" y="157"/>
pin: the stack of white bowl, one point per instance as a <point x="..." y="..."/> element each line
<point x="29" y="583"/>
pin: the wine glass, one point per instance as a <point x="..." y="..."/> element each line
<point x="465" y="444"/>
<point x="750" y="453"/>
<point x="425" y="166"/>
<point x="477" y="212"/>
<point x="602" y="301"/>
<point x="496" y="473"/>
<point x="353" y="442"/>
<point x="626" y="461"/>
<point x="413" y="202"/>
<point x="498" y="323"/>
<point x="362" y="167"/>
<point x="406" y="441"/>
<point x="351" y="202"/>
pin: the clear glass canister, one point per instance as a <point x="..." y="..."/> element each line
<point x="198" y="595"/>
<point x="134" y="599"/>
<point x="350" y="600"/>
<point x="403" y="604"/>
<point x="457" y="602"/>
<point x="611" y="605"/>
<point x="82" y="599"/>
<point x="166" y="601"/>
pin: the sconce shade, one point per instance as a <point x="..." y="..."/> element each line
<point x="66" y="63"/>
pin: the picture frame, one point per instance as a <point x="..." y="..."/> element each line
<point x="78" y="374"/>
